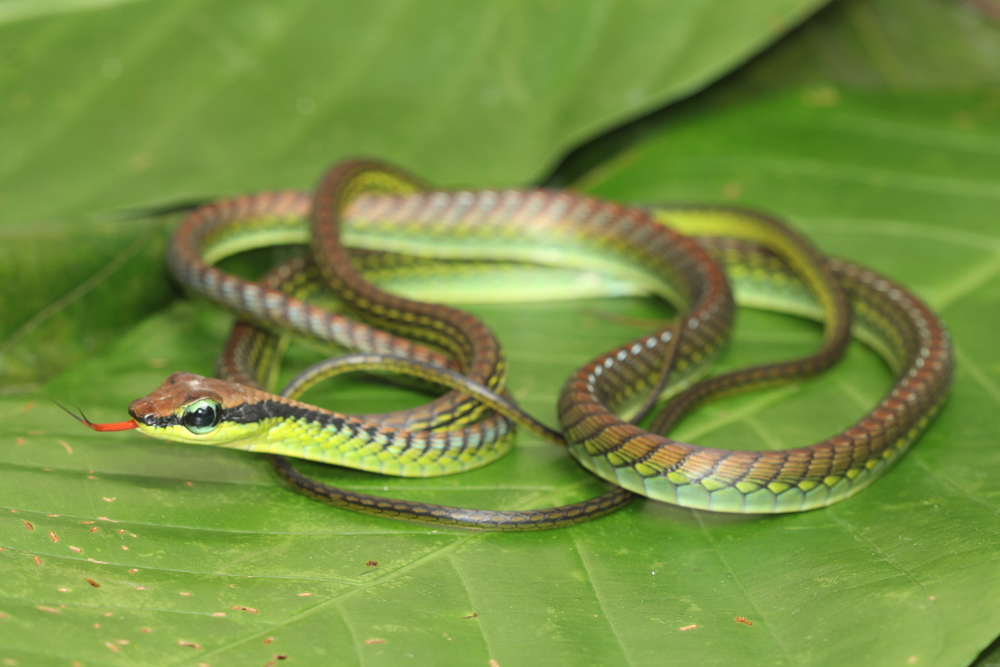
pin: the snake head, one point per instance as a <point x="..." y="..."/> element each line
<point x="195" y="409"/>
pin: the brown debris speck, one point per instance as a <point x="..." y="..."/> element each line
<point x="372" y="563"/>
<point x="92" y="582"/>
<point x="472" y="615"/>
<point x="93" y="529"/>
<point x="281" y="656"/>
<point x="249" y="609"/>
<point x="268" y="640"/>
<point x="743" y="620"/>
<point x="76" y="549"/>
<point x="27" y="524"/>
<point x="189" y="644"/>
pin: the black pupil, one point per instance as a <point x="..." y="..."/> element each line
<point x="201" y="417"/>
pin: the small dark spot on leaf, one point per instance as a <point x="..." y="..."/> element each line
<point x="372" y="563"/>
<point x="241" y="608"/>
<point x="472" y="615"/>
<point x="93" y="583"/>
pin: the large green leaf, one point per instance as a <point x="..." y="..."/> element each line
<point x="152" y="100"/>
<point x="111" y="104"/>
<point x="903" y="573"/>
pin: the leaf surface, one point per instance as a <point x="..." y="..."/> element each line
<point x="232" y="568"/>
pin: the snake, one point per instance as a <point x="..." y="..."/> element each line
<point x="372" y="205"/>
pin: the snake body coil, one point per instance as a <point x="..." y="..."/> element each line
<point x="376" y="206"/>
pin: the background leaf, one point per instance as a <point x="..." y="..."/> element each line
<point x="110" y="105"/>
<point x="228" y="567"/>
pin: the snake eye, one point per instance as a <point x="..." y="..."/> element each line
<point x="202" y="416"/>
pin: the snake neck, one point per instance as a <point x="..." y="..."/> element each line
<point x="257" y="421"/>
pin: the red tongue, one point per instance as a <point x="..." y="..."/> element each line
<point x="82" y="418"/>
<point x="116" y="426"/>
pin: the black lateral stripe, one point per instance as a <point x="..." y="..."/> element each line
<point x="159" y="422"/>
<point x="249" y="413"/>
